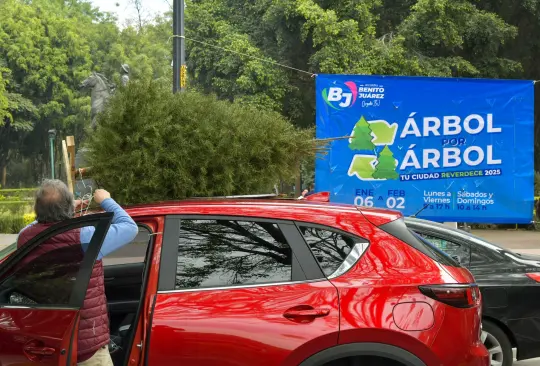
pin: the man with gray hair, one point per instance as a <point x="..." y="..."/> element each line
<point x="55" y="203"/>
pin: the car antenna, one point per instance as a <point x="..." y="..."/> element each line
<point x="422" y="209"/>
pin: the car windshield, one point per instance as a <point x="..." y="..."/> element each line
<point x="7" y="251"/>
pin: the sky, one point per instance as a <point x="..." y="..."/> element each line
<point x="125" y="10"/>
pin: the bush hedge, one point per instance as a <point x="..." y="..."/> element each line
<point x="11" y="224"/>
<point x="16" y="206"/>
<point x="152" y="145"/>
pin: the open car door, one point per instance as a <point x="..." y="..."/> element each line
<point x="41" y="293"/>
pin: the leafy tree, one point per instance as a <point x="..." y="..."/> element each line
<point x="152" y="145"/>
<point x="148" y="50"/>
<point x="361" y="137"/>
<point x="43" y="44"/>
<point x="233" y="48"/>
<point x="4" y="112"/>
<point x="456" y="35"/>
<point x="386" y="165"/>
<point x="15" y="111"/>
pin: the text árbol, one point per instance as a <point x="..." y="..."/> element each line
<point x="449" y="157"/>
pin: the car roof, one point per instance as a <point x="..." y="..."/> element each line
<point x="456" y="232"/>
<point x="441" y="227"/>
<point x="422" y="222"/>
<point x="300" y="210"/>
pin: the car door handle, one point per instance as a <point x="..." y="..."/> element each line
<point x="308" y="313"/>
<point x="39" y="351"/>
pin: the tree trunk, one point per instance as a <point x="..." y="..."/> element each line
<point x="298" y="185"/>
<point x="4" y="176"/>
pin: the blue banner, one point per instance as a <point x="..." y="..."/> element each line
<point x="458" y="150"/>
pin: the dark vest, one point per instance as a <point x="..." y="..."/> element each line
<point x="94" y="320"/>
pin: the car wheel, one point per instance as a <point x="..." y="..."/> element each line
<point x="498" y="345"/>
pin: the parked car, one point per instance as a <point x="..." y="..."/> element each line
<point x="510" y="288"/>
<point x="249" y="282"/>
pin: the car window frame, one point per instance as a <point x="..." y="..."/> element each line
<point x="304" y="265"/>
<point x="8" y="250"/>
<point x="101" y="222"/>
<point x="360" y="240"/>
<point x="441" y="235"/>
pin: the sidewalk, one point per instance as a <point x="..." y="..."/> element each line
<point x="526" y="242"/>
<point x="6" y="239"/>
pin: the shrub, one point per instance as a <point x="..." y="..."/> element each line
<point x="15" y="207"/>
<point x="10" y="223"/>
<point x="152" y="145"/>
<point x="22" y="194"/>
<point x="29" y="218"/>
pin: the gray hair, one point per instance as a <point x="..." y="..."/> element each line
<point x="54" y="202"/>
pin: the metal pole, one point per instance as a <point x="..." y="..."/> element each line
<point x="52" y="135"/>
<point x="179" y="47"/>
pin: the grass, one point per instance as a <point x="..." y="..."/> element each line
<point x="16" y="207"/>
<point x="10" y="223"/>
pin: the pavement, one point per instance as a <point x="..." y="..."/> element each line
<point x="6" y="239"/>
<point x="518" y="241"/>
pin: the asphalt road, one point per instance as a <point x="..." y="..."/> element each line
<point x="519" y="241"/>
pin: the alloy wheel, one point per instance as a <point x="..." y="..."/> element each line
<point x="496" y="356"/>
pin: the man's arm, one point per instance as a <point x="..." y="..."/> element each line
<point x="121" y="232"/>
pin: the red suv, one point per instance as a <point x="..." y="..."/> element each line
<point x="234" y="282"/>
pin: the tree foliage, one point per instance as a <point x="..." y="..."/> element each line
<point x="246" y="51"/>
<point x="424" y="37"/>
<point x="153" y="145"/>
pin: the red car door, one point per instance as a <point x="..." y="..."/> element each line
<point x="237" y="291"/>
<point x="40" y="296"/>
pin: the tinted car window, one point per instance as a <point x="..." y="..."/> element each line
<point x="219" y="253"/>
<point x="482" y="256"/>
<point x="398" y="229"/>
<point x="455" y="250"/>
<point x="330" y="248"/>
<point x="43" y="277"/>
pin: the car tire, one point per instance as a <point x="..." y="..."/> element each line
<point x="498" y="344"/>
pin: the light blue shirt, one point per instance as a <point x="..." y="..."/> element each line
<point x="122" y="231"/>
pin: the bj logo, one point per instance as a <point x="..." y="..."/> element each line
<point x="338" y="98"/>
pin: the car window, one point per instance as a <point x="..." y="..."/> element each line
<point x="400" y="230"/>
<point x="46" y="275"/>
<point x="134" y="252"/>
<point x="458" y="251"/>
<point x="330" y="248"/>
<point x="220" y="253"/>
<point x="485" y="256"/>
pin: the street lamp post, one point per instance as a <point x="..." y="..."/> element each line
<point x="179" y="47"/>
<point x="52" y="136"/>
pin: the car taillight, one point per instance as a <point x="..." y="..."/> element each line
<point x="459" y="296"/>
<point x="534" y="276"/>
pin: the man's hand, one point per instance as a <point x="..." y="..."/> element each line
<point x="101" y="195"/>
<point x="80" y="204"/>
